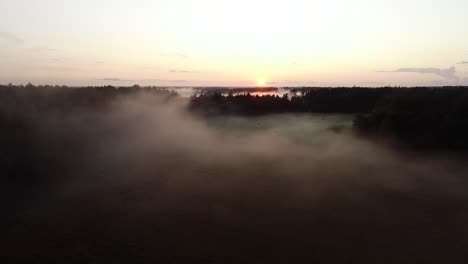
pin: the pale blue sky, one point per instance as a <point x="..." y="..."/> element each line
<point x="215" y="42"/>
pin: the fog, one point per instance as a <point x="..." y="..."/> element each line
<point x="147" y="180"/>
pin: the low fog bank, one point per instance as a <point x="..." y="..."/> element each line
<point x="144" y="180"/>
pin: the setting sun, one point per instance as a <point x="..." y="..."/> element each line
<point x="261" y="82"/>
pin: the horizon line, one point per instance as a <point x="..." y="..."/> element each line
<point x="231" y="87"/>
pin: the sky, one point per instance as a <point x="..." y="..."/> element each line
<point x="234" y="43"/>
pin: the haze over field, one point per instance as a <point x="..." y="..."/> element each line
<point x="173" y="186"/>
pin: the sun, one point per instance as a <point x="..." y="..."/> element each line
<point x="261" y="82"/>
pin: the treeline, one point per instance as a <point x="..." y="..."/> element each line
<point x="233" y="90"/>
<point x="424" y="118"/>
<point x="313" y="100"/>
<point x="61" y="98"/>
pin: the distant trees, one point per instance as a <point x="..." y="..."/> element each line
<point x="420" y="117"/>
<point x="243" y="104"/>
<point x="313" y="100"/>
<point x="59" y="98"/>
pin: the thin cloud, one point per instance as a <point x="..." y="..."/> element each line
<point x="9" y="39"/>
<point x="290" y="83"/>
<point x="178" y="55"/>
<point x="372" y="83"/>
<point x="298" y="83"/>
<point x="114" y="80"/>
<point x="448" y="74"/>
<point x="463" y="62"/>
<point x="63" y="60"/>
<point x="165" y="80"/>
<point x="181" y="71"/>
<point x="41" y="50"/>
<point x="464" y="82"/>
<point x="54" y="68"/>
